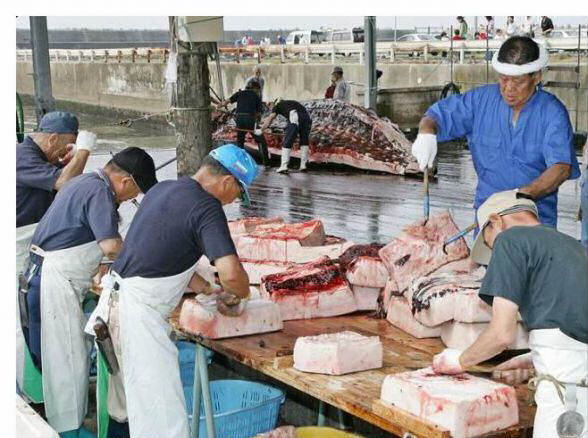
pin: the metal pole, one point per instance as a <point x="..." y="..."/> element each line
<point x="44" y="102"/>
<point x="487" y="48"/>
<point x="451" y="53"/>
<point x="205" y="384"/>
<point x="578" y="78"/>
<point x="370" y="62"/>
<point x="219" y="74"/>
<point x="395" y="27"/>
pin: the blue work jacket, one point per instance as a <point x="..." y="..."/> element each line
<point x="506" y="155"/>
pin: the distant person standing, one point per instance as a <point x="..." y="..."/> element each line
<point x="489" y="26"/>
<point x="342" y="88"/>
<point x="546" y="26"/>
<point x="256" y="77"/>
<point x="528" y="28"/>
<point x="511" y="27"/>
<point x="330" y="91"/>
<point x="281" y="40"/>
<point x="463" y="27"/>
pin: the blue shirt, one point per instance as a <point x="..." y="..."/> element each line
<point x="35" y="183"/>
<point x="506" y="156"/>
<point x="177" y="223"/>
<point x="84" y="210"/>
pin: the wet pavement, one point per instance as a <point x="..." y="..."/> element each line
<point x="356" y="205"/>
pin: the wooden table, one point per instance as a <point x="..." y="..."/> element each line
<point x="357" y="393"/>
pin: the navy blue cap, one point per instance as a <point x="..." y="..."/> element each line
<point x="59" y="122"/>
<point x="139" y="164"/>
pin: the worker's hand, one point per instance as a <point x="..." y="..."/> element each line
<point x="229" y="304"/>
<point x="424" y="149"/>
<point x="86" y="141"/>
<point x="514" y="371"/>
<point x="447" y="362"/>
<point x="70" y="150"/>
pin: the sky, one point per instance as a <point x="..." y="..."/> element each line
<point x="276" y="22"/>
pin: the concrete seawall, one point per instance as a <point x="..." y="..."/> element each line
<point x="136" y="87"/>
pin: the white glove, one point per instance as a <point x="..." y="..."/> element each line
<point x="86" y="141"/>
<point x="257" y="131"/>
<point x="424" y="149"/>
<point x="447" y="362"/>
<point x="293" y="117"/>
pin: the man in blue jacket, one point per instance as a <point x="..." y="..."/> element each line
<point x="519" y="135"/>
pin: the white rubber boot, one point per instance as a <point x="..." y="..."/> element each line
<point x="303" y="158"/>
<point x="285" y="160"/>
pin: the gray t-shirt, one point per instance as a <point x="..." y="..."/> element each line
<point x="545" y="273"/>
<point x="342" y="91"/>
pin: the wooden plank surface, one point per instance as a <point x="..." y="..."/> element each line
<point x="355" y="393"/>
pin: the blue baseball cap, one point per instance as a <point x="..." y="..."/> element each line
<point x="59" y="122"/>
<point x="241" y="165"/>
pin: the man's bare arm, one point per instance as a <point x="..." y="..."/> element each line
<point x="268" y="121"/>
<point x="497" y="337"/>
<point x="72" y="169"/>
<point x="427" y="125"/>
<point x="548" y="181"/>
<point x="233" y="278"/>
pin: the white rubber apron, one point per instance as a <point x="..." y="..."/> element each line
<point x="155" y="400"/>
<point x="24" y="235"/>
<point x="66" y="277"/>
<point x="110" y="395"/>
<point x="566" y="359"/>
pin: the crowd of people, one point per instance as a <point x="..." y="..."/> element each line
<point x="527" y="27"/>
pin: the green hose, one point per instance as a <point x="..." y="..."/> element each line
<point x="19" y="120"/>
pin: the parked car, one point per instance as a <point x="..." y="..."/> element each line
<point x="355" y="35"/>
<point x="417" y="37"/>
<point x="562" y="33"/>
<point x="303" y="37"/>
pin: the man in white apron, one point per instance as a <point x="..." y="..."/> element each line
<point x="543" y="274"/>
<point x="178" y="222"/>
<point x="45" y="161"/>
<point x="76" y="232"/>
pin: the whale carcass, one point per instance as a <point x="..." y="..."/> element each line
<point x="342" y="133"/>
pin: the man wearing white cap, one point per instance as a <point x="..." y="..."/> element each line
<point x="543" y="274"/>
<point x="519" y="135"/>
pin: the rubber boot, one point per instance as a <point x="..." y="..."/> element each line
<point x="285" y="160"/>
<point x="303" y="158"/>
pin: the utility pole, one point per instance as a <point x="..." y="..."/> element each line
<point x="44" y="102"/>
<point x="192" y="115"/>
<point x="369" y="45"/>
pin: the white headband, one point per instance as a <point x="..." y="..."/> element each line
<point x="517" y="70"/>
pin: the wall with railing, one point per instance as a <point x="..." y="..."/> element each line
<point x="422" y="51"/>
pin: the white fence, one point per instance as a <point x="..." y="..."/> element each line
<point x="388" y="50"/>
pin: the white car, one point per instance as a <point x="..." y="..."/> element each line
<point x="417" y="37"/>
<point x="565" y="33"/>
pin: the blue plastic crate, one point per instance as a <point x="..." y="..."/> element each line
<point x="241" y="408"/>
